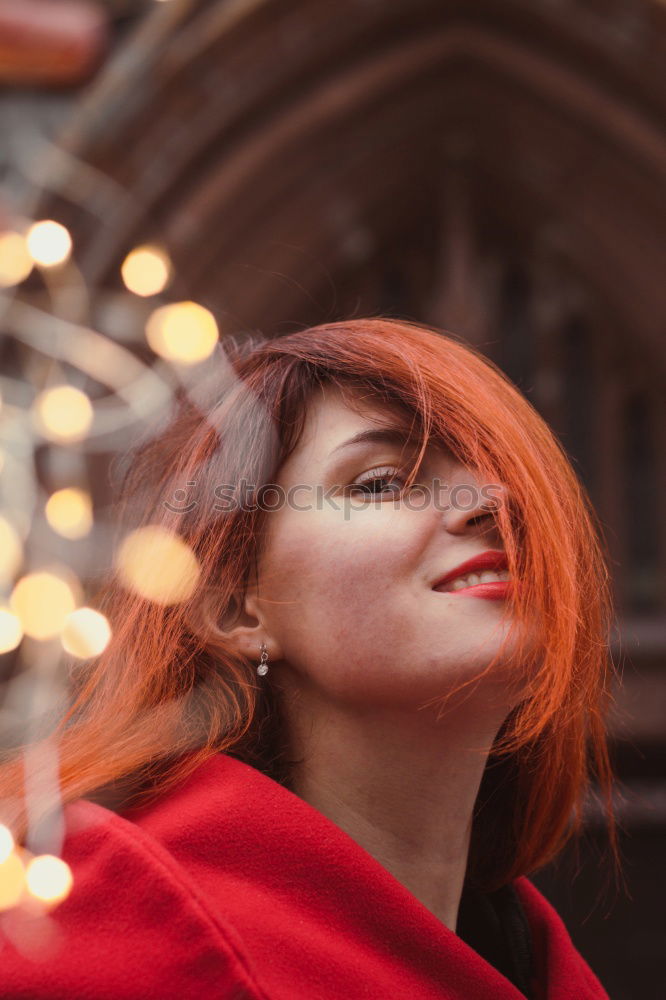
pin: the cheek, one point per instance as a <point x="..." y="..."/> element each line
<point x="334" y="588"/>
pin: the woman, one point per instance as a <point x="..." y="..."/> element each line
<point x="326" y="770"/>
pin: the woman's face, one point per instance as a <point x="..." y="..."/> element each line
<point x="345" y="583"/>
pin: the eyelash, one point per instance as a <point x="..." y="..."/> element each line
<point x="369" y="478"/>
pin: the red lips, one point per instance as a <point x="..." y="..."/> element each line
<point x="491" y="559"/>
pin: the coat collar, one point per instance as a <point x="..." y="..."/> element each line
<point x="316" y="912"/>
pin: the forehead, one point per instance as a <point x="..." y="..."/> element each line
<point x="331" y="418"/>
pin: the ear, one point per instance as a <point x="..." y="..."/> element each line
<point x="250" y="630"/>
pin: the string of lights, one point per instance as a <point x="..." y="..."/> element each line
<point x="50" y="538"/>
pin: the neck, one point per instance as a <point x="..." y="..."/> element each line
<point x="401" y="784"/>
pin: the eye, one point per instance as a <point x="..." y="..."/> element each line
<point x="363" y="486"/>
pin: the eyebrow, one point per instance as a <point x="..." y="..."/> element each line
<point x="378" y="435"/>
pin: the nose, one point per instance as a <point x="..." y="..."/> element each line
<point x="471" y="508"/>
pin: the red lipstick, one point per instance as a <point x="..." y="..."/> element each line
<point x="492" y="559"/>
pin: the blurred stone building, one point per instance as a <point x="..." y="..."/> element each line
<point x="495" y="168"/>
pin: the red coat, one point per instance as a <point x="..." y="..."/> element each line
<point x="230" y="887"/>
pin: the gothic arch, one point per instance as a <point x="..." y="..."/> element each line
<point x="476" y="165"/>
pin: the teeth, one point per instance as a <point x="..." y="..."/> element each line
<point x="492" y="575"/>
<point x="488" y="576"/>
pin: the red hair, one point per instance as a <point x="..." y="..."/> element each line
<point x="169" y="691"/>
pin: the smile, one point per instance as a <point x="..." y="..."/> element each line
<point x="473" y="579"/>
<point x="491" y="584"/>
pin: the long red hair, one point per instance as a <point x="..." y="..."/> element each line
<point x="169" y="691"/>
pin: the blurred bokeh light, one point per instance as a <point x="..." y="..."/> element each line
<point x="183" y="331"/>
<point x="48" y="243"/>
<point x="146" y="270"/>
<point x="158" y="565"/>
<point x="48" y="878"/>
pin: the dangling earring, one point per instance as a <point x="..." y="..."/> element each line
<point x="262" y="669"/>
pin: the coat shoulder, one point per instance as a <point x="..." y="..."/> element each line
<point x="134" y="925"/>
